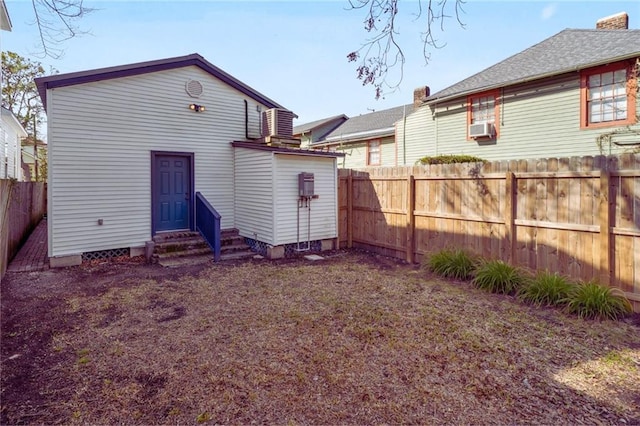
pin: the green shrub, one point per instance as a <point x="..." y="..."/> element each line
<point x="546" y="289"/>
<point x="498" y="277"/>
<point x="450" y="159"/>
<point x="450" y="263"/>
<point x="595" y="301"/>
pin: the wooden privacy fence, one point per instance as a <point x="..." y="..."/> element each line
<point x="22" y="205"/>
<point x="577" y="216"/>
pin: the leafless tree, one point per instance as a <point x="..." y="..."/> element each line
<point x="57" y="22"/>
<point x="382" y="52"/>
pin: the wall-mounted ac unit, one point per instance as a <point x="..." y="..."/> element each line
<point x="277" y="122"/>
<point x="481" y="130"/>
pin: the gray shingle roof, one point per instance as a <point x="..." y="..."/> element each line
<point x="312" y="125"/>
<point x="377" y="123"/>
<point x="569" y="50"/>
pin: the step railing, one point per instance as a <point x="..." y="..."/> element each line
<point x="208" y="224"/>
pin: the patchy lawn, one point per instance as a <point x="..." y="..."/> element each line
<point x="352" y="339"/>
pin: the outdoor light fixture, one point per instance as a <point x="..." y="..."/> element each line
<point x="196" y="107"/>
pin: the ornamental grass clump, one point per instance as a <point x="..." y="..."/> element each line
<point x="546" y="289"/>
<point x="497" y="276"/>
<point x="595" y="301"/>
<point x="453" y="263"/>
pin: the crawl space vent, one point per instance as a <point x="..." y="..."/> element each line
<point x="194" y="88"/>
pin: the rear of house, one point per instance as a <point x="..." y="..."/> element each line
<point x="130" y="146"/>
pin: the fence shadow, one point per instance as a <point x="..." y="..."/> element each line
<point x="577" y="216"/>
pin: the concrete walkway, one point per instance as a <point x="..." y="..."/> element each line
<point x="33" y="254"/>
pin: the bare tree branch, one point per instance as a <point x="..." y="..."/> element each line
<point x="56" y="21"/>
<point x="382" y="52"/>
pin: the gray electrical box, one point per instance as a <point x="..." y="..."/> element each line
<point x="305" y="185"/>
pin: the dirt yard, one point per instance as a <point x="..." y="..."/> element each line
<point x="352" y="339"/>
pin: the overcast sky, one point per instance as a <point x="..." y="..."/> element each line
<point x="295" y="51"/>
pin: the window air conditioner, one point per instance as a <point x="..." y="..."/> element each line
<point x="480" y="130"/>
<point x="277" y="122"/>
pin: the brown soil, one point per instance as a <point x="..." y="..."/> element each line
<point x="352" y="339"/>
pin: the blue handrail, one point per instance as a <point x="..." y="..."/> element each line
<point x="208" y="224"/>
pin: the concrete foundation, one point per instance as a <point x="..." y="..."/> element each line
<point x="64" y="261"/>
<point x="136" y="251"/>
<point x="276" y="252"/>
<point x="327" y="244"/>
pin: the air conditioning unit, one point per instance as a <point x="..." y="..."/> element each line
<point x="277" y="122"/>
<point x="481" y="130"/>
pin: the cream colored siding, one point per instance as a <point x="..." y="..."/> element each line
<point x="538" y="120"/>
<point x="355" y="155"/>
<point x="323" y="209"/>
<point x="101" y="135"/>
<point x="254" y="194"/>
<point x="388" y="152"/>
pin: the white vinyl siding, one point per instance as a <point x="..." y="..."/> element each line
<point x="537" y="120"/>
<point x="101" y="135"/>
<point x="323" y="209"/>
<point x="254" y="194"/>
<point x="10" y="147"/>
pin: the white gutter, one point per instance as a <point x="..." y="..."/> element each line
<point x="359" y="135"/>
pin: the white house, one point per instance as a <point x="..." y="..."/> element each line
<point x="11" y="135"/>
<point x="129" y="147"/>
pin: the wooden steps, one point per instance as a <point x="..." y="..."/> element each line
<point x="183" y="248"/>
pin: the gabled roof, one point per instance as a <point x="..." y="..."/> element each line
<point x="5" y="20"/>
<point x="10" y="118"/>
<point x="307" y="127"/>
<point x="70" y="79"/>
<point x="569" y="50"/>
<point x="365" y="126"/>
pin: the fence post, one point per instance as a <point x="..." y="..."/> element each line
<point x="350" y="209"/>
<point x="509" y="218"/>
<point x="411" y="219"/>
<point x="606" y="264"/>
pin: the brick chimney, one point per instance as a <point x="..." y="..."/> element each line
<point x="619" y="21"/>
<point x="419" y="95"/>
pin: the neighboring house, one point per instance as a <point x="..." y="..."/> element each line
<point x="11" y="134"/>
<point x="367" y="140"/>
<point x="312" y="133"/>
<point x="31" y="160"/>
<point x="573" y="94"/>
<point x="130" y="146"/>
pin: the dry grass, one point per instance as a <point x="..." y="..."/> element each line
<point x="352" y="339"/>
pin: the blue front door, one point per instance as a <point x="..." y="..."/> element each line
<point x="171" y="186"/>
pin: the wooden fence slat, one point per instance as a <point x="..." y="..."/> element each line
<point x="411" y="219"/>
<point x="578" y="216"/>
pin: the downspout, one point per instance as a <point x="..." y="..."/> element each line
<point x="404" y="136"/>
<point x="246" y="119"/>
<point x="435" y="119"/>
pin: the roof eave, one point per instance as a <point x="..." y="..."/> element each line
<point x="358" y="136"/>
<point x="431" y="101"/>
<point x="70" y="79"/>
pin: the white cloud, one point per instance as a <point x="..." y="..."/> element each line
<point x="549" y="11"/>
